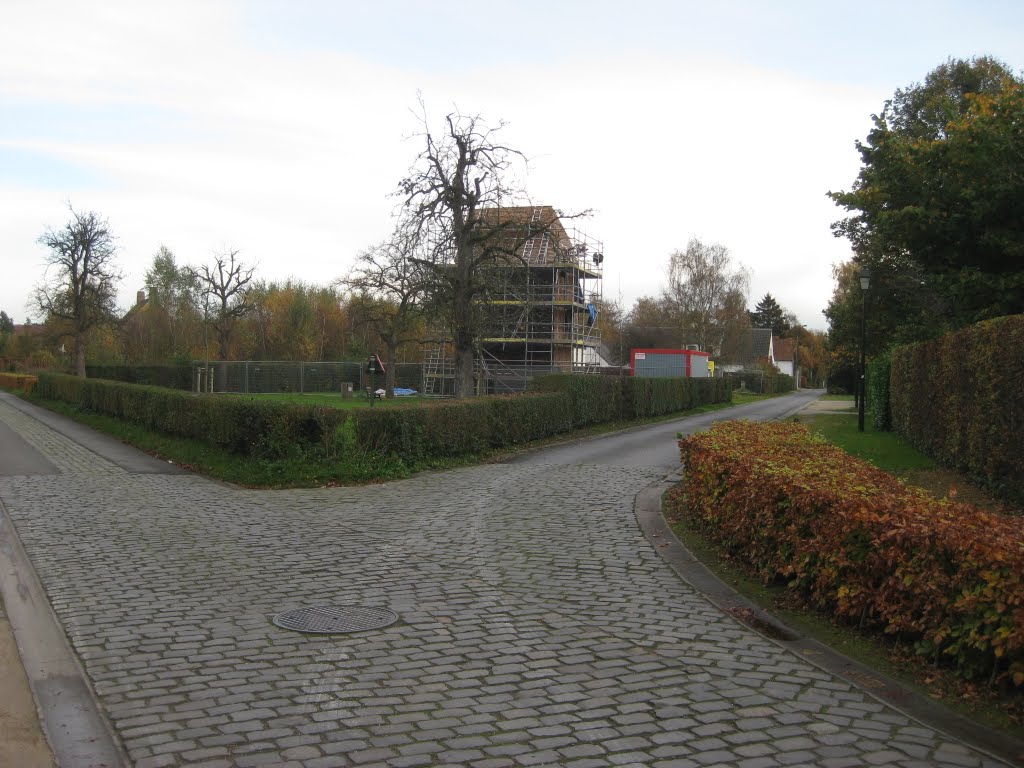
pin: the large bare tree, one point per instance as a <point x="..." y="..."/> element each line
<point x="453" y="198"/>
<point x="224" y="286"/>
<point x="387" y="285"/>
<point x="706" y="294"/>
<point x="81" y="277"/>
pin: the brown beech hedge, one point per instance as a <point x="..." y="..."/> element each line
<point x="855" y="541"/>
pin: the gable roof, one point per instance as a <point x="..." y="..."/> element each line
<point x="761" y="344"/>
<point x="783" y="349"/>
<point x="551" y="243"/>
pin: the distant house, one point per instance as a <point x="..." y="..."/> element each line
<point x="762" y="349"/>
<point x="784" y="358"/>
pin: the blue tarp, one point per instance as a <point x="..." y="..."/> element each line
<point x="401" y="392"/>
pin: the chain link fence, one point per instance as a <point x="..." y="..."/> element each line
<point x="267" y="377"/>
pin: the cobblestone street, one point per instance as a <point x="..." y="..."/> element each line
<point x="536" y="626"/>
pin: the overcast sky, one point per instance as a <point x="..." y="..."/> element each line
<point x="281" y="128"/>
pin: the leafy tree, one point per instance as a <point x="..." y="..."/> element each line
<point x="649" y="324"/>
<point x="938" y="206"/>
<point x="706" y="295"/>
<point x="455" y="198"/>
<point x="387" y="284"/>
<point x="769" y="314"/>
<point x="6" y="331"/>
<point x="224" y="286"/>
<point x="167" y="326"/>
<point x="82" y="278"/>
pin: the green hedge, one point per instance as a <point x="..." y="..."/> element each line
<point x="170" y="376"/>
<point x="462" y="427"/>
<point x="959" y="399"/>
<point x="237" y="424"/>
<point x="876" y="402"/>
<point x="271" y="429"/>
<point x="600" y="399"/>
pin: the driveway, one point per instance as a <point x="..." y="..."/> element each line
<point x="535" y="624"/>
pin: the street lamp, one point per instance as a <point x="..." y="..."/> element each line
<point x="865" y="282"/>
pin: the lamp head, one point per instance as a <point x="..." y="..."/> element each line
<point x="865" y="278"/>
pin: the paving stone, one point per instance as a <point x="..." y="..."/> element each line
<point x="536" y="626"/>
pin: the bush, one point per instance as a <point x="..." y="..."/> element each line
<point x="958" y="399"/>
<point x="169" y="376"/>
<point x="461" y="428"/>
<point x="600" y="399"/>
<point x="237" y="424"/>
<point x="876" y="401"/>
<point x="18" y="382"/>
<point x="853" y="540"/>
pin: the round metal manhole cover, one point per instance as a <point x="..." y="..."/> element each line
<point x="329" y="620"/>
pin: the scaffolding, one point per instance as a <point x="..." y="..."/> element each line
<point x="538" y="315"/>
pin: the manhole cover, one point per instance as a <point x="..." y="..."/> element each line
<point x="335" y="619"/>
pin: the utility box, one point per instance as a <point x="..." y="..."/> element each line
<point x="346" y="390"/>
<point x="669" y="363"/>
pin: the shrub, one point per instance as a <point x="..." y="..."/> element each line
<point x="958" y="399"/>
<point x="169" y="376"/>
<point x="600" y="399"/>
<point x="237" y="424"/>
<point x="19" y="382"/>
<point x="853" y="540"/>
<point x="876" y="401"/>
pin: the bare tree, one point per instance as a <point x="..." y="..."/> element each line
<point x="453" y="197"/>
<point x="83" y="286"/>
<point x="224" y="288"/>
<point x="705" y="292"/>
<point x="387" y="284"/>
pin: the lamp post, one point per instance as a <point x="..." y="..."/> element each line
<point x="865" y="282"/>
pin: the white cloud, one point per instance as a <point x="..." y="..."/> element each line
<point x="195" y="137"/>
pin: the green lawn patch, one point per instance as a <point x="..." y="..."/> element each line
<point x="886" y="450"/>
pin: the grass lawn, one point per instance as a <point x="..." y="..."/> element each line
<point x="335" y="400"/>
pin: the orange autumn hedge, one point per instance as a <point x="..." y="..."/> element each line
<point x="17" y="381"/>
<point x="853" y="540"/>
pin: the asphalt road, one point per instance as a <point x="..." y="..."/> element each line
<point x="655" y="446"/>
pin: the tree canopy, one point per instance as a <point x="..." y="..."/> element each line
<point x="81" y="281"/>
<point x="937" y="210"/>
<point x="770" y="314"/>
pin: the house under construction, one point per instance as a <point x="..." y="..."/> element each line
<point x="539" y="314"/>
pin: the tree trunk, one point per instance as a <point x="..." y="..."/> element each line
<point x="80" y="354"/>
<point x="389" y="376"/>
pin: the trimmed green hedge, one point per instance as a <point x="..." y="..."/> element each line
<point x="876" y="402"/>
<point x="237" y="424"/>
<point x="169" y="376"/>
<point x="264" y="429"/>
<point x="599" y="399"/>
<point x="462" y="427"/>
<point x="959" y="399"/>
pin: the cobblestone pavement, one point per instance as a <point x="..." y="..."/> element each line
<point x="537" y="627"/>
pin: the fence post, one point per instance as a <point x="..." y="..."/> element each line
<point x="247" y="377"/>
<point x="302" y="378"/>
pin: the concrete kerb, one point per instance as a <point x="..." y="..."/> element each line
<point x="78" y="733"/>
<point x="648" y="508"/>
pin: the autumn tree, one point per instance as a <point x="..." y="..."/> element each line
<point x="937" y="210"/>
<point x="224" y="287"/>
<point x="649" y="324"/>
<point x="81" y="280"/>
<point x="453" y="197"/>
<point x="706" y="294"/>
<point x="386" y="285"/>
